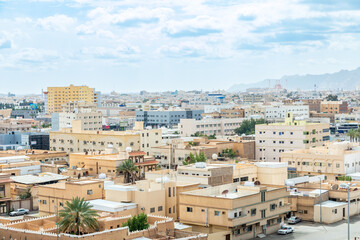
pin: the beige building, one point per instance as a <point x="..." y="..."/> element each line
<point x="53" y="197"/>
<point x="5" y="193"/>
<point x="235" y="112"/>
<point x="84" y="112"/>
<point x="77" y="140"/>
<point x="233" y="211"/>
<point x="332" y="160"/>
<point x="209" y="126"/>
<point x="179" y="150"/>
<point x="276" y="138"/>
<point x="96" y="164"/>
<point x="43" y="156"/>
<point x="334" y="107"/>
<point x="17" y="125"/>
<point x="57" y="96"/>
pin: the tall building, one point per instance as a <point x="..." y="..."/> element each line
<point x="57" y="96"/>
<point x="273" y="139"/>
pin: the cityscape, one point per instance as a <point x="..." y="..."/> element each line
<point x="160" y="120"/>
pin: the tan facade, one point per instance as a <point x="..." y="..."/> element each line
<point x="76" y="140"/>
<point x="57" y="96"/>
<point x="332" y="160"/>
<point x="43" y="156"/>
<point x="5" y="193"/>
<point x="334" y="107"/>
<point x="274" y="139"/>
<point x="54" y="196"/>
<point x="230" y="214"/>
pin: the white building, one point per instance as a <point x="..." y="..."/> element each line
<point x="87" y="113"/>
<point x="209" y="126"/>
<point x="276" y="112"/>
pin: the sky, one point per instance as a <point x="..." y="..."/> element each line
<point x="158" y="45"/>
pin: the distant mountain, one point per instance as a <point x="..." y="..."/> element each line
<point x="347" y="80"/>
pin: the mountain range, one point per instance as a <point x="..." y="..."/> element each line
<point x="344" y="79"/>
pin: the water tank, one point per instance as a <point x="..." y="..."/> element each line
<point x="200" y="165"/>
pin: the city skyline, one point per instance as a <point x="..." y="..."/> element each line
<point x="128" y="46"/>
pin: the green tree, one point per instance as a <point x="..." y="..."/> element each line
<point x="247" y="127"/>
<point x="344" y="178"/>
<point x="77" y="216"/>
<point x="227" y="153"/>
<point x="128" y="168"/>
<point x="200" y="157"/>
<point x="137" y="223"/>
<point x="331" y="97"/>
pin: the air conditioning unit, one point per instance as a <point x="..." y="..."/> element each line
<point x="142" y="209"/>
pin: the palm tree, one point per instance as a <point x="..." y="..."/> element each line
<point x="352" y="134"/>
<point x="128" y="168"/>
<point x="77" y="216"/>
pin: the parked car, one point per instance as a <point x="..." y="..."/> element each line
<point x="285" y="230"/>
<point x="294" y="220"/>
<point x="20" y="211"/>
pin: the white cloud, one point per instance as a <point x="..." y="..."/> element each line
<point x="57" y="22"/>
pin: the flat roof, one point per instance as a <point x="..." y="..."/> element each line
<point x="110" y="206"/>
<point x="331" y="204"/>
<point x="122" y="188"/>
<point x="36" y="179"/>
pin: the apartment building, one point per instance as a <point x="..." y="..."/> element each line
<point x="86" y="113"/>
<point x="335" y="107"/>
<point x="55" y="97"/>
<point x="5" y="193"/>
<point x="275" y="138"/>
<point x="253" y="98"/>
<point x="280" y="111"/>
<point x="178" y="150"/>
<point x="52" y="197"/>
<point x="306" y="199"/>
<point x="209" y="126"/>
<point x="95" y="163"/>
<point x="332" y="160"/>
<point x="166" y="118"/>
<point x="314" y="104"/>
<point x="17" y="125"/>
<point x="77" y="140"/>
<point x="234" y="211"/>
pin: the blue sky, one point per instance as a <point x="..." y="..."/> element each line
<point x="157" y="45"/>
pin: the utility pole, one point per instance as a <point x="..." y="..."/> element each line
<point x="320" y="203"/>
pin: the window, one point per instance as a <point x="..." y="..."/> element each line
<point x="189" y="209"/>
<point x="89" y="192"/>
<point x="173" y="191"/>
<point x="217" y="213"/>
<point x="44" y="201"/>
<point x="262" y="196"/>
<point x="272" y="207"/>
<point x="152" y="210"/>
<point x="170" y="210"/>
<point x="305" y="211"/>
<point x="235" y="215"/>
<point x="253" y="212"/>
<point x="173" y="209"/>
<point x="61" y="204"/>
<point x="263" y="215"/>
<point x="160" y="208"/>
<point x="244" y="179"/>
<point x="169" y="191"/>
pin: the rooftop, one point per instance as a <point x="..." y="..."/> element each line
<point x="110" y="206"/>
<point x="331" y="204"/>
<point x="37" y="179"/>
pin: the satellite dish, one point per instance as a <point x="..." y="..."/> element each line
<point x="257" y="183"/>
<point x="214" y="156"/>
<point x="335" y="187"/>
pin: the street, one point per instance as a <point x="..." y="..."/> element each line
<point x="309" y="230"/>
